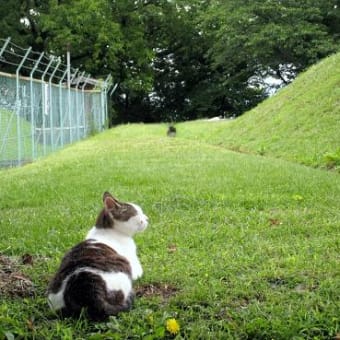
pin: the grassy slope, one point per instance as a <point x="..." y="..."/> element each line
<point x="252" y="244"/>
<point x="300" y="123"/>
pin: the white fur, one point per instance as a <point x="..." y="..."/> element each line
<point x="120" y="239"/>
<point x="118" y="281"/>
<point x="56" y="301"/>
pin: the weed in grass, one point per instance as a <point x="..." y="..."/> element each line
<point x="13" y="282"/>
<point x="332" y="160"/>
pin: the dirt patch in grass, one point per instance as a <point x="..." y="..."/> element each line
<point x="163" y="290"/>
<point x="13" y="282"/>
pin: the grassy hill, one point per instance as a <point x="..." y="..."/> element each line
<point x="300" y="123"/>
<point x="239" y="246"/>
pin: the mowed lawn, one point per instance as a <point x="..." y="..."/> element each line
<point x="239" y="246"/>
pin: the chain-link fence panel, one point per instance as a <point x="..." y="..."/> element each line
<point x="45" y="105"/>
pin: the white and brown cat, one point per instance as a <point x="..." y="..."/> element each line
<point x="96" y="275"/>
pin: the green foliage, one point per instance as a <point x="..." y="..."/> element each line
<point x="20" y="22"/>
<point x="276" y="38"/>
<point x="84" y="27"/>
<point x="10" y="15"/>
<point x="10" y="20"/>
<point x="182" y="82"/>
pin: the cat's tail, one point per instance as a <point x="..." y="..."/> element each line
<point x="87" y="291"/>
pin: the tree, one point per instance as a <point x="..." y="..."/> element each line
<point x="180" y="59"/>
<point x="84" y="28"/>
<point x="212" y="57"/>
<point x="20" y="22"/>
<point x="103" y="37"/>
<point x="179" y="62"/>
<point x="11" y="21"/>
<point x="176" y="62"/>
<point x="272" y="38"/>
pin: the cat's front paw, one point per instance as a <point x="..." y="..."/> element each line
<point x="137" y="272"/>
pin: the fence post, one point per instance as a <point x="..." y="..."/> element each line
<point x="83" y="104"/>
<point x="17" y="104"/>
<point x="51" y="105"/>
<point x="32" y="105"/>
<point x="3" y="48"/>
<point x="61" y="109"/>
<point x="69" y="103"/>
<point x="114" y="88"/>
<point x="45" y="103"/>
<point x="104" y="101"/>
<point x="77" y="102"/>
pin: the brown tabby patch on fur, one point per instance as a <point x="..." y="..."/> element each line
<point x="88" y="291"/>
<point x="123" y="212"/>
<point x="89" y="254"/>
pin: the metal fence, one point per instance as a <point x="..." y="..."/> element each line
<point x="45" y="104"/>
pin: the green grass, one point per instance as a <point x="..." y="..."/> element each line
<point x="301" y="123"/>
<point x="249" y="243"/>
<point x="9" y="136"/>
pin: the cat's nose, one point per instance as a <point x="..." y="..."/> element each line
<point x="146" y="221"/>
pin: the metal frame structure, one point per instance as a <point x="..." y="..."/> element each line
<point x="45" y="104"/>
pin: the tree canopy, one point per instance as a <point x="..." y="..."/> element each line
<point x="179" y="59"/>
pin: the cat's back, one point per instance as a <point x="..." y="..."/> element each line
<point x="94" y="260"/>
<point x="89" y="255"/>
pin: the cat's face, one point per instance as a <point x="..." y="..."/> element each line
<point x="140" y="219"/>
<point x="125" y="217"/>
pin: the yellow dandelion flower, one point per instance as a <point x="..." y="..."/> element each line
<point x="172" y="326"/>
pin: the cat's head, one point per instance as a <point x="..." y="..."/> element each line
<point x="128" y="218"/>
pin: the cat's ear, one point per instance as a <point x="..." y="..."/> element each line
<point x="110" y="202"/>
<point x="107" y="194"/>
